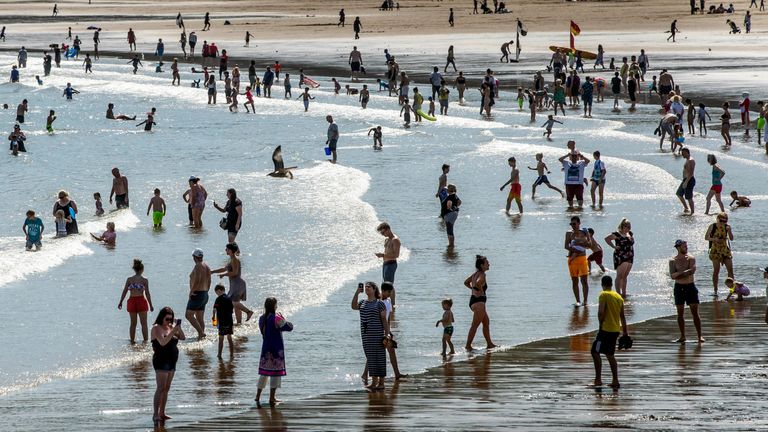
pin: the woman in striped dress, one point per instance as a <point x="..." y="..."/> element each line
<point x="374" y="329"/>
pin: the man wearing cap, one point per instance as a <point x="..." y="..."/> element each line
<point x="681" y="269"/>
<point x="199" y="284"/>
<point x="119" y="189"/>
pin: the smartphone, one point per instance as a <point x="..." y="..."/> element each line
<point x="178" y="321"/>
<point x="360" y="287"/>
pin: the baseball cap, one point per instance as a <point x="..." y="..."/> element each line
<point x="679" y="243"/>
<point x="197" y="253"/>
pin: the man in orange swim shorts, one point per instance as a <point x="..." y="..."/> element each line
<point x="515" y="189"/>
<point x="576" y="243"/>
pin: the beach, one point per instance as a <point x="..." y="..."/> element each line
<point x="311" y="240"/>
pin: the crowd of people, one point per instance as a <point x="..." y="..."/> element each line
<point x="377" y="307"/>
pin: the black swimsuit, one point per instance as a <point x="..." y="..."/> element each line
<point x="165" y="357"/>
<point x="478" y="299"/>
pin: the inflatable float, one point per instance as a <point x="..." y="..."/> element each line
<point x="424" y="115"/>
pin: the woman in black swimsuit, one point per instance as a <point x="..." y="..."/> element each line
<point x="623" y="244"/>
<point x="477" y="284"/>
<point x="66" y="204"/>
<point x="166" y="334"/>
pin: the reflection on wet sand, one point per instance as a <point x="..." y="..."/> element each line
<point x="549" y="383"/>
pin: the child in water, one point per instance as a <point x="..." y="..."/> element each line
<point x="222" y="318"/>
<point x="99" y="208"/>
<point x="703" y="115"/>
<point x="548" y="124"/>
<point x="447" y="321"/>
<point x="760" y="122"/>
<point x="108" y="237"/>
<point x="691" y="116"/>
<point x="157" y="205"/>
<point x="740" y="201"/>
<point x="61" y="224"/>
<point x="306" y="97"/>
<point x="520" y="98"/>
<point x="376" y="137"/>
<point x="597" y="253"/>
<point x="249" y="100"/>
<point x="737" y="288"/>
<point x="405" y="113"/>
<point x="49" y="121"/>
<point x="431" y="111"/>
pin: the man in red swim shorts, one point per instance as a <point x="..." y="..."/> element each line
<point x="515" y="190"/>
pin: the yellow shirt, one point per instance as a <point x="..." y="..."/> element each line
<point x="613" y="304"/>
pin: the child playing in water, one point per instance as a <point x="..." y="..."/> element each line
<point x="532" y="104"/>
<point x="49" y="121"/>
<point x="109" y="236"/>
<point x="548" y="124"/>
<point x="222" y="318"/>
<point x="691" y="115"/>
<point x="737" y="288"/>
<point x="597" y="252"/>
<point x="541" y="168"/>
<point x="61" y="224"/>
<point x="257" y="86"/>
<point x="33" y="231"/>
<point x="99" y="208"/>
<point x="336" y="86"/>
<point x="431" y="111"/>
<point x="760" y="122"/>
<point x="740" y="201"/>
<point x="447" y="321"/>
<point x="351" y="90"/>
<point x="233" y="98"/>
<point x="520" y="98"/>
<point x="376" y="137"/>
<point x="653" y="87"/>
<point x="157" y="205"/>
<point x="382" y="84"/>
<point x="703" y="115"/>
<point x="306" y="96"/>
<point x="249" y="100"/>
<point x="405" y="113"/>
<point x="679" y="139"/>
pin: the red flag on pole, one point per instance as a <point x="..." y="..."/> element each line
<point x="575" y="30"/>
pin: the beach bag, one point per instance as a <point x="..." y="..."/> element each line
<point x="223" y="223"/>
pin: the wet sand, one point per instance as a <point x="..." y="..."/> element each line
<point x="545" y="384"/>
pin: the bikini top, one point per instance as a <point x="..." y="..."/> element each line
<point x="476" y="290"/>
<point x="136" y="286"/>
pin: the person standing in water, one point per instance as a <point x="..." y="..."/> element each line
<point x="682" y="267"/>
<point x="622" y="241"/>
<point x="333" y="137"/>
<point x="389" y="256"/>
<point x="237" y="287"/>
<point x="720" y="236"/>
<point x="717" y="184"/>
<point x="197" y="197"/>
<point x="166" y="334"/>
<point x="272" y="361"/>
<point x="199" y="284"/>
<point x="576" y="243"/>
<point x="139" y="300"/>
<point x="119" y="189"/>
<point x="355" y="63"/>
<point x="477" y="284"/>
<point x="515" y="188"/>
<point x="685" y="190"/>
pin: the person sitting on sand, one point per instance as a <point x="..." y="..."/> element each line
<point x="737" y="288"/>
<point x="109" y="236"/>
<point x="739" y="201"/>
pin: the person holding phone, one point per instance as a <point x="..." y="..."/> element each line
<point x="166" y="334"/>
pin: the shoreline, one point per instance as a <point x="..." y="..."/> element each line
<point x="489" y="381"/>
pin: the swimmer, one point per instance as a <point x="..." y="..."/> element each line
<point x="49" y="122"/>
<point x="515" y="189"/>
<point x="376" y="137"/>
<point x="541" y="168"/>
<point x="108" y="237"/>
<point x="111" y="115"/>
<point x="157" y="205"/>
<point x="280" y="169"/>
<point x="739" y="200"/>
<point x="548" y="124"/>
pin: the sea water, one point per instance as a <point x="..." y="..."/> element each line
<point x="66" y="362"/>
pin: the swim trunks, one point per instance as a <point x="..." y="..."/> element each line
<point x="19" y="119"/>
<point x="121" y="201"/>
<point x="137" y="304"/>
<point x="355" y="66"/>
<point x="572" y="191"/>
<point x="197" y="301"/>
<point x="157" y="218"/>
<point x="578" y="266"/>
<point x="596" y="256"/>
<point x="225" y="330"/>
<point x="515" y="190"/>
<point x="49" y="128"/>
<point x="760" y="123"/>
<point x="541" y="180"/>
<point x="687" y="191"/>
<point x="448" y="330"/>
<point x="37" y="243"/>
<point x="686" y="294"/>
<point x="605" y="342"/>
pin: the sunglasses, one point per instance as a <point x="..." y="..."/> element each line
<point x="168" y="319"/>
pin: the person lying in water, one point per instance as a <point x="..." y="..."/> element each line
<point x="111" y="114"/>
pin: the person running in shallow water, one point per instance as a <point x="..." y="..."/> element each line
<point x="515" y="188"/>
<point x="477" y="284"/>
<point x="682" y="267"/>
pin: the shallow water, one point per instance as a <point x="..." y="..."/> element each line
<point x="308" y="241"/>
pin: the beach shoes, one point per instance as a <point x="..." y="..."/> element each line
<point x="625" y="342"/>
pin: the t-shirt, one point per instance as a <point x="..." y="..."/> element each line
<point x="224" y="308"/>
<point x="388" y="305"/>
<point x="586" y="90"/>
<point x="597" y="169"/>
<point x="616" y="84"/>
<point x="34" y="228"/>
<point x="435" y="78"/>
<point x="333" y="131"/>
<point x="574" y="172"/>
<point x="613" y="304"/>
